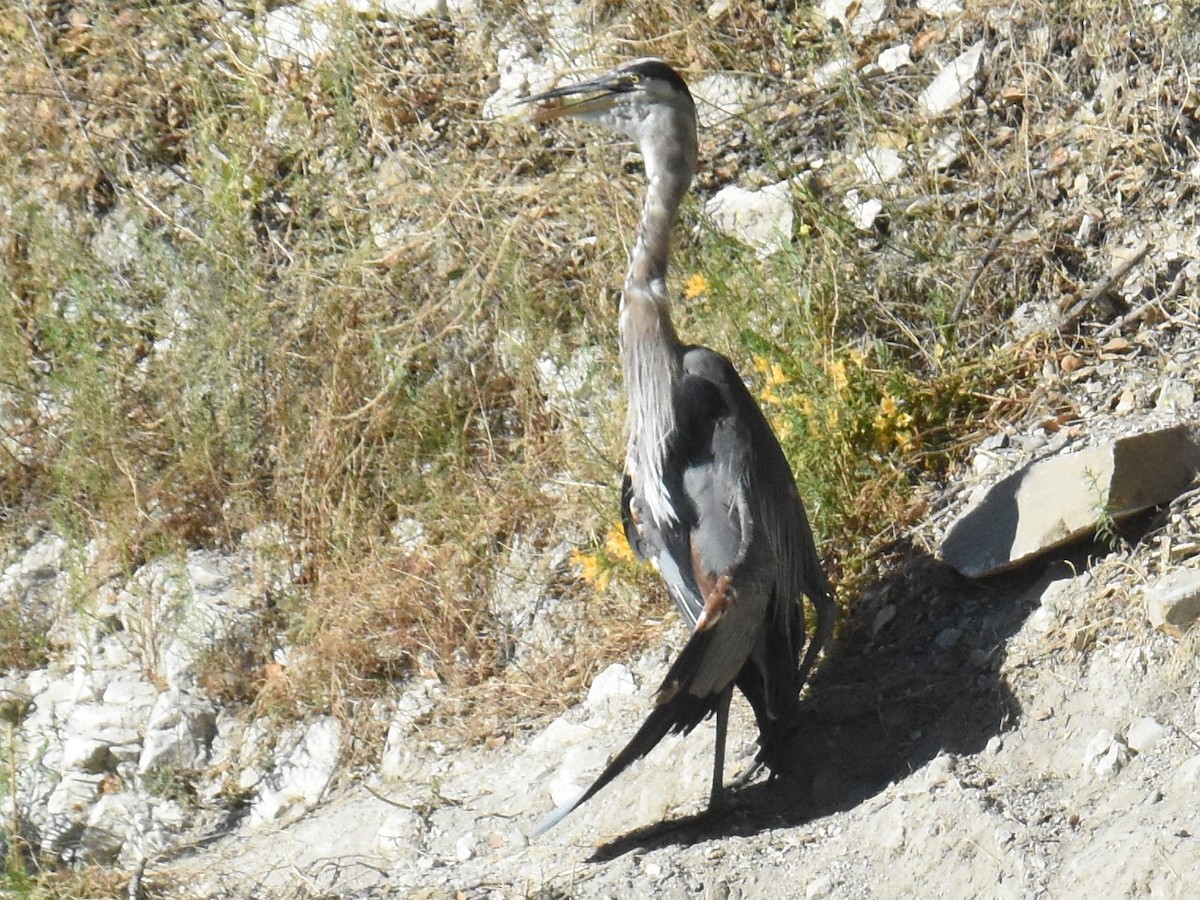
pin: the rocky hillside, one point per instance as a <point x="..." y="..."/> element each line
<point x="311" y="429"/>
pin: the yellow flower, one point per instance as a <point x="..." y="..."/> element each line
<point x="761" y="363"/>
<point x="695" y="286"/>
<point x="776" y="375"/>
<point x="617" y="545"/>
<point x="591" y="570"/>
<point x="838" y="371"/>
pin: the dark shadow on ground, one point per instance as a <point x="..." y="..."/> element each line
<point x="914" y="671"/>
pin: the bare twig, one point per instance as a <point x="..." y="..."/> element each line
<point x="1140" y="313"/>
<point x="1114" y="278"/>
<point x="987" y="258"/>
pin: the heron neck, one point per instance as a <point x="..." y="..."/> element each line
<point x="651" y="354"/>
<point x="669" y="179"/>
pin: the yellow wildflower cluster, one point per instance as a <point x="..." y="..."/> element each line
<point x="695" y="286"/>
<point x="617" y="545"/>
<point x="591" y="568"/>
<point x="597" y="568"/>
<point x="892" y="425"/>
<point x="775" y="377"/>
<point x="837" y="372"/>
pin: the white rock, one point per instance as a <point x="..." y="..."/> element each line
<point x="862" y="212"/>
<point x="831" y="72"/>
<point x="84" y="754"/>
<point x="859" y="17"/>
<point x="112" y="821"/>
<point x="894" y="58"/>
<point x="248" y="778"/>
<point x="564" y="790"/>
<point x="408" y="534"/>
<point x="41" y="562"/>
<point x="880" y="165"/>
<point x="110" y="724"/>
<point x="71" y="798"/>
<point x="300" y="782"/>
<point x="821" y="886"/>
<point x="1143" y="735"/>
<point x="1175" y="395"/>
<point x="722" y="97"/>
<point x="130" y="692"/>
<point x="179" y="733"/>
<point x="947" y="151"/>
<point x="953" y="84"/>
<point x="938" y="771"/>
<point x="464" y="847"/>
<point x="1186" y="779"/>
<point x="761" y="219"/>
<point x="615" y="681"/>
<point x="1105" y="755"/>
<point x="292" y="33"/>
<point x="36" y="582"/>
<point x="940" y="8"/>
<point x="565" y="382"/>
<point x="562" y="732"/>
<point x="399" y="9"/>
<point x="1173" y="602"/>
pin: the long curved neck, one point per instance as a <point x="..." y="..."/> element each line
<point x="651" y="354"/>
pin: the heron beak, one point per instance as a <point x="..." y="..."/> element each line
<point x="606" y="90"/>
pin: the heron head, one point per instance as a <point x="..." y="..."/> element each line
<point x="645" y="99"/>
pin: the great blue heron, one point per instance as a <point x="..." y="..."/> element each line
<point x="708" y="494"/>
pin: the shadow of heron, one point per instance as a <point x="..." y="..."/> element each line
<point x="915" y="671"/>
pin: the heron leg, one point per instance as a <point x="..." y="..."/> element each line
<point x="716" y="796"/>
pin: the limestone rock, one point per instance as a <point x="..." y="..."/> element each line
<point x="292" y="33"/>
<point x="302" y="780"/>
<point x="863" y="213"/>
<point x="953" y="84"/>
<point x="178" y="734"/>
<point x="1105" y="755"/>
<point x="881" y="165"/>
<point x="940" y="8"/>
<point x="615" y="681"/>
<point x="859" y="18"/>
<point x="1056" y="500"/>
<point x="1143" y="734"/>
<point x="1173" y="603"/>
<point x="760" y="219"/>
<point x="894" y="58"/>
<point x="721" y="97"/>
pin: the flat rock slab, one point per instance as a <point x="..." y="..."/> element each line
<point x="1053" y="501"/>
<point x="1173" y="602"/>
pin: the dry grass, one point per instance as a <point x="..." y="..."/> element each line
<point x="238" y="292"/>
